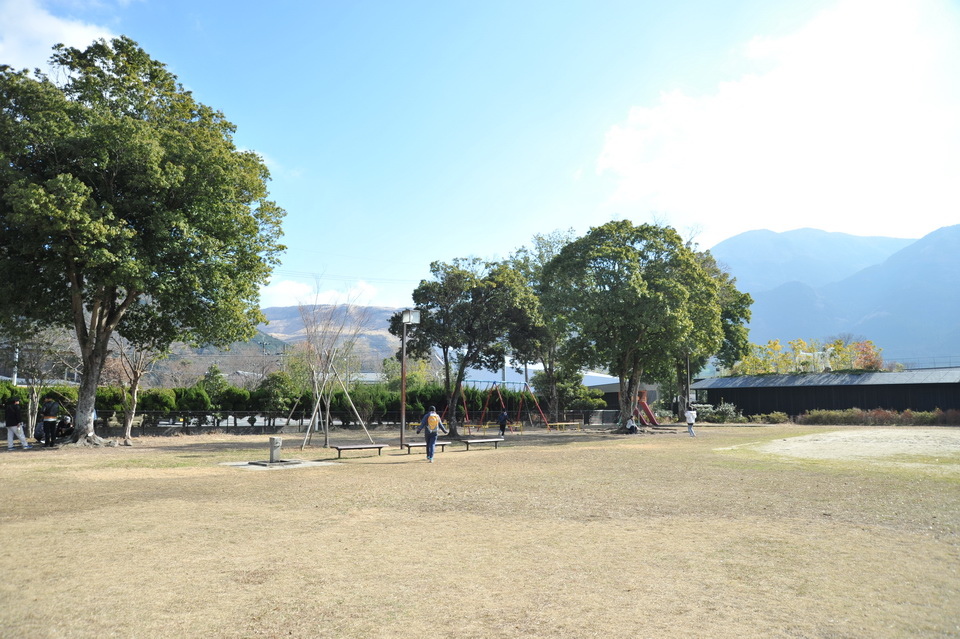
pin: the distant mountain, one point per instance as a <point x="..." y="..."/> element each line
<point x="809" y="284"/>
<point x="762" y="260"/>
<point x="907" y="304"/>
<point x="374" y="343"/>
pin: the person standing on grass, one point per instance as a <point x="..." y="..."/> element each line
<point x="14" y="422"/>
<point x="430" y="424"/>
<point x="691" y="415"/>
<point x="503" y="420"/>
<point x="50" y="413"/>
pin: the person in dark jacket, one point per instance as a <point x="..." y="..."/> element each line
<point x="14" y="422"/>
<point x="502" y="421"/>
<point x="50" y="413"/>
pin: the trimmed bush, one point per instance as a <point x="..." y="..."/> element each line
<point x="775" y="417"/>
<point x="880" y="417"/>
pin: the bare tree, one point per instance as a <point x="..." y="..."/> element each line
<point x="331" y="333"/>
<point x="44" y="358"/>
<point x="135" y="362"/>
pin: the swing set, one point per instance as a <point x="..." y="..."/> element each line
<point x="527" y="409"/>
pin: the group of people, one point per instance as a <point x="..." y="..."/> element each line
<point x="50" y="426"/>
<point x="690" y="415"/>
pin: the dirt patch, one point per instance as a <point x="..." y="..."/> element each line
<point x="884" y="445"/>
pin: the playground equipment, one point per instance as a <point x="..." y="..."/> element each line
<point x="651" y="419"/>
<point x="316" y="417"/>
<point x="524" y="409"/>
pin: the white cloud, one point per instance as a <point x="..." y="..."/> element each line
<point x="291" y="293"/>
<point x="851" y="127"/>
<point x="285" y="293"/>
<point x="28" y="33"/>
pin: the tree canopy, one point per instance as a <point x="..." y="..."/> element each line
<point x="470" y="312"/>
<point x="125" y="206"/>
<point x="635" y="297"/>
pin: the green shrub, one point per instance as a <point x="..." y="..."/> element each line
<point x="110" y="399"/>
<point x="157" y="400"/>
<point x="723" y="413"/>
<point x="192" y="399"/>
<point x="880" y="417"/>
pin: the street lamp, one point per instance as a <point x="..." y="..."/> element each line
<point x="407" y="317"/>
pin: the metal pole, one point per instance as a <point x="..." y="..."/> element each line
<point x="403" y="383"/>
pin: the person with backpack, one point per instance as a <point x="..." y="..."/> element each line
<point x="430" y="424"/>
<point x="14" y="422"/>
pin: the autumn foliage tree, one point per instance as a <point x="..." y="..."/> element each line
<point x="810" y="356"/>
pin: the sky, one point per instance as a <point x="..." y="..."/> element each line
<point x="402" y="133"/>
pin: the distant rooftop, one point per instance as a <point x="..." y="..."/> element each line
<point x="918" y="376"/>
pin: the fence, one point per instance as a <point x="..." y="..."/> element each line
<point x="250" y="423"/>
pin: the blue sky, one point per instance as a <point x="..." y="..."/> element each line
<point x="399" y="133"/>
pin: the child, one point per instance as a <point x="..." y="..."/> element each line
<point x="691" y="415"/>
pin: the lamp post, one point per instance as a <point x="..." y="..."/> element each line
<point x="408" y="317"/>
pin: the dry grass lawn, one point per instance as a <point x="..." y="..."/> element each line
<point x="736" y="533"/>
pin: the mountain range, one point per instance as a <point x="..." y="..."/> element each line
<point x="900" y="293"/>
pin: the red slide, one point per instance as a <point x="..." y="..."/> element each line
<point x="650" y="415"/>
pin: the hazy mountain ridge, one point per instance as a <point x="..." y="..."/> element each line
<point x="809" y="284"/>
<point x="763" y="260"/>
<point x="908" y="303"/>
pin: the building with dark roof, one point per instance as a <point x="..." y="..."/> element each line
<point x="918" y="390"/>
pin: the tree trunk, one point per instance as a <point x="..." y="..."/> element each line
<point x="452" y="416"/>
<point x="629" y="390"/>
<point x="83" y="430"/>
<point x="131" y="411"/>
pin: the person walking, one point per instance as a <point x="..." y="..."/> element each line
<point x="430" y="424"/>
<point x="503" y="420"/>
<point x="50" y="412"/>
<point x="14" y="422"/>
<point x="691" y="416"/>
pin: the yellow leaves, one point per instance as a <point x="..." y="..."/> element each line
<point x="809" y="357"/>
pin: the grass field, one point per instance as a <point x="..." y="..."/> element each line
<point x="731" y="534"/>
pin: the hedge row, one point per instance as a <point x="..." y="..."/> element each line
<point x="373" y="401"/>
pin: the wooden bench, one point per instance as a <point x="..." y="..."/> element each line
<point x="563" y="425"/>
<point x="344" y="447"/>
<point x="410" y="445"/>
<point x="487" y="440"/>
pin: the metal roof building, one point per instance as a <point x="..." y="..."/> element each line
<point x="919" y="390"/>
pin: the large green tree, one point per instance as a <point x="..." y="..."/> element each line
<point x="694" y="352"/>
<point x="544" y="344"/>
<point x="470" y="312"/>
<point x="635" y="296"/>
<point x="125" y="206"/>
